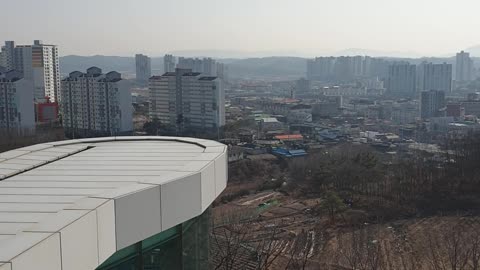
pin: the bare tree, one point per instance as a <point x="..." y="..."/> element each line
<point x="360" y="249"/>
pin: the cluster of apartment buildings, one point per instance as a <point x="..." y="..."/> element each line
<point x="187" y="100"/>
<point x="38" y="63"/>
<point x="345" y="68"/>
<point x="29" y="84"/>
<point x="400" y="78"/>
<point x="94" y="103"/>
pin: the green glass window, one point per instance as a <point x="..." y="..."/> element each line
<point x="184" y="246"/>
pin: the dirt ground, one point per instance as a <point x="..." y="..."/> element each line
<point x="401" y="244"/>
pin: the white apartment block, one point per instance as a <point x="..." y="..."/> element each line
<point x="464" y="67"/>
<point x="7" y="55"/>
<point x="143" y="68"/>
<point x="169" y="63"/>
<point x="38" y="63"/>
<point x="16" y="102"/>
<point x="96" y="104"/>
<point x="206" y="66"/>
<point x="187" y="100"/>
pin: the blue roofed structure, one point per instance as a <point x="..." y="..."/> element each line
<point x="289" y="153"/>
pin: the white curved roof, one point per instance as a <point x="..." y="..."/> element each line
<point x="72" y="204"/>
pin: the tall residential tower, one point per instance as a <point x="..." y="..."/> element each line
<point x="38" y="63"/>
<point x="169" y="63"/>
<point x="464" y="67"/>
<point x="188" y="100"/>
<point x="401" y="80"/>
<point x="143" y="68"/>
<point x="16" y="102"/>
<point x="435" y="77"/>
<point x="96" y="104"/>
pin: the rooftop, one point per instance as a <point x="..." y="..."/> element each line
<point x="207" y="78"/>
<point x="61" y="199"/>
<point x="270" y="120"/>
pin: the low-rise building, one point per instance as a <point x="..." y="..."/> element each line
<point x="270" y="124"/>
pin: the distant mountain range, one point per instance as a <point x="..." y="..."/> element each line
<point x="241" y="64"/>
<point x="474" y="51"/>
<point x="287" y="67"/>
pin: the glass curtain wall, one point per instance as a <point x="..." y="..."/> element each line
<point x="184" y="246"/>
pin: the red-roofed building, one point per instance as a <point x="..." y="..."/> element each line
<point x="289" y="137"/>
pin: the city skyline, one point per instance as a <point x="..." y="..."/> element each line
<point x="297" y="28"/>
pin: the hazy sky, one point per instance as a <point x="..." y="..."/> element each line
<point x="125" y="27"/>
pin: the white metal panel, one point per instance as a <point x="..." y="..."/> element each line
<point x="22" y="242"/>
<point x="63" y="143"/>
<point x="180" y="200"/>
<point x="98" y="167"/>
<point x="37" y="157"/>
<point x="80" y="243"/>
<point x="13" y="154"/>
<point x="51" y="191"/>
<point x="61" y="184"/>
<point x="44" y="255"/>
<point x="35" y="147"/>
<point x="6" y="266"/>
<point x="123" y="191"/>
<point x="137" y="216"/>
<point x="107" y="244"/>
<point x="23" y="162"/>
<point x="56" y="222"/>
<point x="195" y="166"/>
<point x="19" y="167"/>
<point x="221" y="174"/>
<point x="85" y="178"/>
<point x="32" y="207"/>
<point x="13" y="228"/>
<point x="215" y="149"/>
<point x="165" y="178"/>
<point x="94" y="140"/>
<point x="38" y="199"/>
<point x="93" y="173"/>
<point x="208" y="185"/>
<point x="87" y="204"/>
<point x="23" y="217"/>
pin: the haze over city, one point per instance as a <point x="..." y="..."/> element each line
<point x="240" y="135"/>
<point x="247" y="28"/>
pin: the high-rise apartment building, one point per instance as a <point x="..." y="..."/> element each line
<point x="16" y="102"/>
<point x="38" y="63"/>
<point x="222" y="71"/>
<point x="7" y="57"/>
<point x="96" y="104"/>
<point x="303" y="85"/>
<point x="206" y="66"/>
<point x="431" y="103"/>
<point x="464" y="67"/>
<point x="169" y="63"/>
<point x="188" y="100"/>
<point x="320" y="68"/>
<point x="346" y="68"/>
<point x="143" y="68"/>
<point x="357" y="62"/>
<point x="401" y="80"/>
<point x="434" y="77"/>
